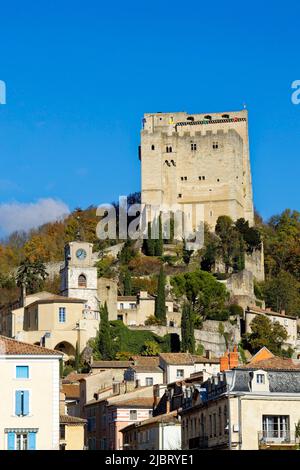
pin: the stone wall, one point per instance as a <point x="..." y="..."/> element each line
<point x="209" y="336"/>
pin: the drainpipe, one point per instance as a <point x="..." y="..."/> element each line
<point x="229" y="419"/>
<point x="240" y="421"/>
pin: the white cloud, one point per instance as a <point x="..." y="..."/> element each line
<point x="24" y="216"/>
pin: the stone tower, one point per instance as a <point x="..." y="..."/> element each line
<point x="79" y="275"/>
<point x="198" y="158"/>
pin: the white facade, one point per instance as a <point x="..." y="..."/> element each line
<point x="79" y="275"/>
<point x="161" y="436"/>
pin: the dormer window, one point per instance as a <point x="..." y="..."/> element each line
<point x="260" y="379"/>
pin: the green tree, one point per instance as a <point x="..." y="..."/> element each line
<point x="31" y="276"/>
<point x="104" y="339"/>
<point x="150" y="348"/>
<point x="230" y="245"/>
<point x="149" y="242"/>
<point x="127" y="253"/>
<point x="283" y="293"/>
<point x="159" y="243"/>
<point x="160" y="301"/>
<point x="187" y="329"/>
<point x="77" y="358"/>
<point x="265" y="333"/>
<point x="207" y="295"/>
<point x="127" y="283"/>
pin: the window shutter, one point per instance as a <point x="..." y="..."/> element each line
<point x="18" y="407"/>
<point x="26" y="403"/>
<point x="31" y="441"/>
<point x="11" y="441"/>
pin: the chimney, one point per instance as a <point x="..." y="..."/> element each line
<point x="282" y="312"/>
<point x="234" y="358"/>
<point x="224" y="362"/>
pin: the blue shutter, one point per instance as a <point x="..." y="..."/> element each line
<point x="11" y="441"/>
<point x="22" y="372"/>
<point x="31" y="441"/>
<point x="25" y="403"/>
<point x="18" y="407"/>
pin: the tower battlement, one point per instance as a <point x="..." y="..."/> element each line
<point x="200" y="158"/>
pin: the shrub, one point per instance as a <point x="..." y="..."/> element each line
<point x="236" y="310"/>
<point x="144" y="265"/>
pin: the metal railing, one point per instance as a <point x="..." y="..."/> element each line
<point x="280" y="436"/>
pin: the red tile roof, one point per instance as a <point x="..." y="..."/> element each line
<point x="10" y="347"/>
<point x="71" y="390"/>
<point x="74" y="377"/>
<point x="274" y="363"/>
<point x="138" y="402"/>
<point x="177" y="358"/>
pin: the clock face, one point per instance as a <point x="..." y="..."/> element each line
<point x="81" y="254"/>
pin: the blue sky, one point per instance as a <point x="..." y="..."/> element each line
<point x="80" y="75"/>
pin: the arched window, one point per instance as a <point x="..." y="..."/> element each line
<point x="82" y="280"/>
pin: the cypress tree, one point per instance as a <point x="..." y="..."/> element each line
<point x="160" y="301"/>
<point x="159" y="243"/>
<point x="127" y="283"/>
<point x="149" y="244"/>
<point x="104" y="340"/>
<point x="77" y="357"/>
<point x="187" y="329"/>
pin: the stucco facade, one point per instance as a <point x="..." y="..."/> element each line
<point x="37" y="426"/>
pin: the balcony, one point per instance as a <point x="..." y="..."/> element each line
<point x="277" y="439"/>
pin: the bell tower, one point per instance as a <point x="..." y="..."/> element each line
<point x="78" y="276"/>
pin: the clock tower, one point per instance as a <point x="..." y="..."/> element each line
<point x="79" y="275"/>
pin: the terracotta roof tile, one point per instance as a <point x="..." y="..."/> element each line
<point x="138" y="402"/>
<point x="111" y="364"/>
<point x="274" y="363"/>
<point x="177" y="358"/>
<point x="66" y="419"/>
<point x="9" y="346"/>
<point x="145" y="360"/>
<point x="71" y="390"/>
<point x="164" y="418"/>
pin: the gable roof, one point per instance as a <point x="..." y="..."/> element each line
<point x="56" y="299"/>
<point x="111" y="364"/>
<point x="145" y="360"/>
<point x="270" y="312"/>
<point x="262" y="354"/>
<point x="11" y="347"/>
<point x="177" y="358"/>
<point x="273" y="363"/>
<point x="71" y="420"/>
<point x="134" y="402"/>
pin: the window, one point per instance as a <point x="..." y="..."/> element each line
<point x="132" y="306"/>
<point x="62" y="314"/>
<point x="21" y="441"/>
<point x="169" y="149"/>
<point x="193" y="147"/>
<point x="276" y="427"/>
<point x="179" y="373"/>
<point x="183" y="178"/>
<point x="82" y="280"/>
<point x="121" y="306"/>
<point x="210" y="426"/>
<point x="260" y="379"/>
<point x="179" y="195"/>
<point x="152" y="147"/>
<point x="215" y="145"/>
<point x="22" y="372"/>
<point x="203" y="177"/>
<point x="120" y="317"/>
<point x="149" y="381"/>
<point x="22" y="402"/>
<point x="133" y="415"/>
